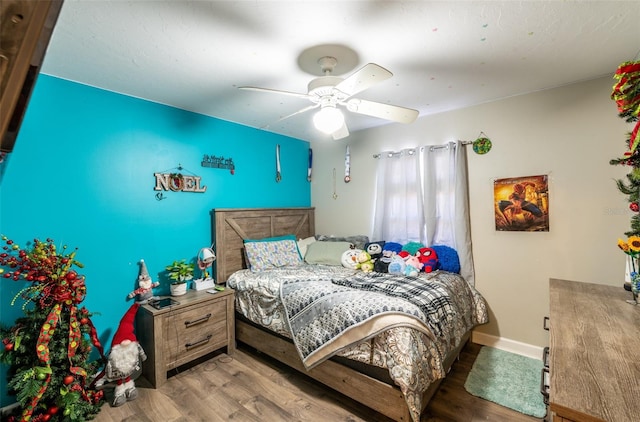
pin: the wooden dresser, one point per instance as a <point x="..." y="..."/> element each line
<point x="202" y="323"/>
<point x="594" y="353"/>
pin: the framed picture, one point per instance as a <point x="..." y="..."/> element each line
<point x="522" y="204"/>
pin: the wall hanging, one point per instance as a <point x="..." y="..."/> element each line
<point x="482" y="144"/>
<point x="347" y="165"/>
<point x="522" y="203"/>
<point x="278" y="169"/>
<point x="174" y="180"/>
<point x="212" y="161"/>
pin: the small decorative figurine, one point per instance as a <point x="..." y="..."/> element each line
<point x="144" y="292"/>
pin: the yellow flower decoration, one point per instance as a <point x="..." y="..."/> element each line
<point x="634" y="243"/>
<point x="623" y="245"/>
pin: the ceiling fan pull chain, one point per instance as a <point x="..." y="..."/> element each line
<point x="309" y="168"/>
<point x="335" y="194"/>
<point x="278" y="174"/>
<point x="347" y="166"/>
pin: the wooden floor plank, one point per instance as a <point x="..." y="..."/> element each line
<point x="253" y="387"/>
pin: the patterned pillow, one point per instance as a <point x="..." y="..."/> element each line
<point x="272" y="252"/>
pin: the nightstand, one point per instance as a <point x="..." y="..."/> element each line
<point x="200" y="324"/>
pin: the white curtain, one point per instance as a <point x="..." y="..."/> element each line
<point x="446" y="201"/>
<point x="423" y="196"/>
<point x="399" y="214"/>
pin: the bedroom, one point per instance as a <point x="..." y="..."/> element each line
<point x="82" y="173"/>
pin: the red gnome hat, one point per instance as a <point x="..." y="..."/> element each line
<point x="125" y="329"/>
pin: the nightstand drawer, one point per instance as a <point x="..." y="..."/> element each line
<point x="194" y="332"/>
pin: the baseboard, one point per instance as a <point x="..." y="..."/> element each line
<point x="6" y="410"/>
<point x="507" y="345"/>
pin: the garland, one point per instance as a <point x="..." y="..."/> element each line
<point x="626" y="94"/>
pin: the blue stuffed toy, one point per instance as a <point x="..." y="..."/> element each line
<point x="447" y="258"/>
<point x="397" y="265"/>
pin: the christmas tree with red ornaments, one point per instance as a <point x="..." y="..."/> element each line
<point x="48" y="348"/>
<point x="626" y="94"/>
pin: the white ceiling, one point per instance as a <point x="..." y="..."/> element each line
<point x="444" y="54"/>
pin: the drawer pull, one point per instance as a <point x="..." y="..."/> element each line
<point x="198" y="321"/>
<point x="545" y="323"/>
<point x="199" y="342"/>
<point x="545" y="356"/>
<point x="544" y="386"/>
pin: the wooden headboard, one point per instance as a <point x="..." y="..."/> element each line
<point x="230" y="226"/>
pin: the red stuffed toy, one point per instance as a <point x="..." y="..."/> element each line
<point x="429" y="259"/>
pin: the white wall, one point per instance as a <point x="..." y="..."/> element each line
<point x="569" y="133"/>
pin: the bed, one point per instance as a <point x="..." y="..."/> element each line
<point x="394" y="369"/>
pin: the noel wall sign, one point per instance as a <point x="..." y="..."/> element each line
<point x="178" y="182"/>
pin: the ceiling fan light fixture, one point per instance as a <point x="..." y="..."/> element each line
<point x="328" y="120"/>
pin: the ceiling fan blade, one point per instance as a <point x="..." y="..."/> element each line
<point x="365" y="77"/>
<point x="274" y="91"/>
<point x="343" y="132"/>
<point x="382" y="111"/>
<point x="311" y="107"/>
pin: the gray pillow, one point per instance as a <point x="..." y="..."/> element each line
<point x="328" y="253"/>
<point x="357" y="241"/>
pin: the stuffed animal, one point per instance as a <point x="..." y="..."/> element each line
<point x="393" y="247"/>
<point x="374" y="249"/>
<point x="429" y="259"/>
<point x="448" y="258"/>
<point x="412" y="266"/>
<point x="381" y="265"/>
<point x="125" y="359"/>
<point x="364" y="262"/>
<point x="349" y="258"/>
<point x="388" y="251"/>
<point x="412" y="247"/>
<point x="397" y="265"/>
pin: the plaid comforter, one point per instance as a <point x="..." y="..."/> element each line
<point x="325" y="316"/>
<point x="431" y="298"/>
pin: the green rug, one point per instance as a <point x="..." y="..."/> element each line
<point x="507" y="379"/>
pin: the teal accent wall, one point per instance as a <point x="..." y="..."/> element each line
<point x="82" y="173"/>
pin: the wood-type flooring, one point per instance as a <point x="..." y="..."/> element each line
<point x="253" y="387"/>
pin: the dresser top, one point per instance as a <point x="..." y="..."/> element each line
<point x="594" y="352"/>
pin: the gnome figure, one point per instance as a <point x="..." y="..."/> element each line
<point x="125" y="358"/>
<point x="144" y="292"/>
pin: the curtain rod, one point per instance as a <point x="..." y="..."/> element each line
<point x="430" y="146"/>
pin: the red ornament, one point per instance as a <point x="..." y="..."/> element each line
<point x="8" y="347"/>
<point x="68" y="379"/>
<point x="634" y="207"/>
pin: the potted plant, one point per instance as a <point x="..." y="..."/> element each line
<point x="180" y="272"/>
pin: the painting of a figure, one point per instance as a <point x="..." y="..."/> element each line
<point x="522" y="203"/>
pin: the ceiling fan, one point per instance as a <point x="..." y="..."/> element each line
<point x="328" y="92"/>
